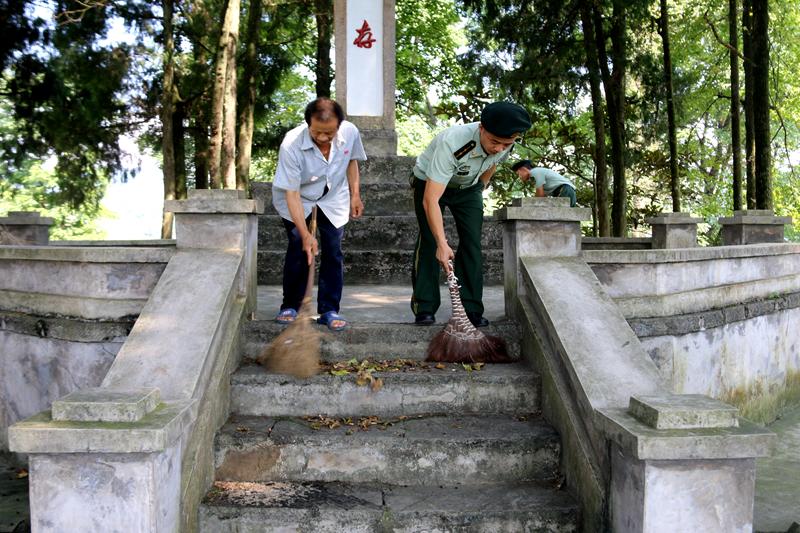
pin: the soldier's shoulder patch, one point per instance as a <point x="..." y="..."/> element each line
<point x="464" y="150"/>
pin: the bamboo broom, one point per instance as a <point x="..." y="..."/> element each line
<point x="460" y="341"/>
<point x="296" y="350"/>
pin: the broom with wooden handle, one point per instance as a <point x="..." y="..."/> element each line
<point x="460" y="341"/>
<point x="296" y="350"/>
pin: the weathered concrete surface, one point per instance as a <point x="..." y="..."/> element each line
<point x="682" y="479"/>
<point x="682" y="411"/>
<point x="681" y="496"/>
<point x="777" y="482"/>
<point x="628" y="274"/>
<point x="581" y="468"/>
<point x="494" y="389"/>
<point x="154" y="354"/>
<point x="745" y="354"/>
<point x="415" y="451"/>
<point x="382" y="304"/>
<point x="335" y="507"/>
<point x="536" y="227"/>
<point x="383" y="169"/>
<point x="371" y="341"/>
<point x="609" y="365"/>
<point x="391" y="267"/>
<point x="674" y="230"/>
<point x="129" y="494"/>
<point x="93" y="283"/>
<point x="753" y="226"/>
<point x="25" y="228"/>
<point x="640" y="441"/>
<point x="37" y="370"/>
<point x="616" y="243"/>
<point x="377" y="233"/>
<point x="100" y="405"/>
<point x="154" y="433"/>
<point x="384" y="198"/>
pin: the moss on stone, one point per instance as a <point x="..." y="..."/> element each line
<point x="763" y="404"/>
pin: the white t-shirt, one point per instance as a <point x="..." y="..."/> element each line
<point x="302" y="167"/>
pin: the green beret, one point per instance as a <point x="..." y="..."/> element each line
<point x="504" y="119"/>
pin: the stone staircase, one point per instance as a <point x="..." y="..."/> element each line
<point x="378" y="247"/>
<point x="432" y="449"/>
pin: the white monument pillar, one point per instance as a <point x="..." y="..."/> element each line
<point x="365" y="76"/>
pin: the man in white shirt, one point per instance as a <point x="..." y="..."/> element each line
<point x="317" y="165"/>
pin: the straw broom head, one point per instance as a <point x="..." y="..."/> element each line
<point x="460" y="341"/>
<point x="296" y="350"/>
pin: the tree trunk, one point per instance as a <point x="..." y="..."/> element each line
<point x="200" y="106"/>
<point x="736" y="142"/>
<point x="247" y="101"/>
<point x="760" y="97"/>
<point x="248" y="97"/>
<point x="228" y="160"/>
<point x="179" y="142"/>
<point x="218" y="99"/>
<point x="673" y="142"/>
<point x="323" y="13"/>
<point x="749" y="89"/>
<point x="614" y="84"/>
<point x="599" y="152"/>
<point x="167" y="116"/>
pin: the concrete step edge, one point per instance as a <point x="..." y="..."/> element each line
<point x="246" y="507"/>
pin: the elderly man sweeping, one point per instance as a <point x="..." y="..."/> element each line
<point x="452" y="172"/>
<point x="317" y="166"/>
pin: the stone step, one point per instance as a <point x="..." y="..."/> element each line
<point x="376" y="169"/>
<point x="379" y="198"/>
<point x="336" y="507"/>
<point x="375" y="341"/>
<point x="424" y="451"/>
<point x="388" y="267"/>
<point x="386" y="169"/>
<point x="494" y="389"/>
<point x="398" y="232"/>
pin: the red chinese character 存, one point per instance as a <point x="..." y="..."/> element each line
<point x="364" y="39"/>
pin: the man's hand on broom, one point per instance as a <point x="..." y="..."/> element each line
<point x="310" y="247"/>
<point x="445" y="256"/>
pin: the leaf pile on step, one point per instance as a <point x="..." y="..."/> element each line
<point x="368" y="366"/>
<point x="363" y="423"/>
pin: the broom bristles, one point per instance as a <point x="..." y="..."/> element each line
<point x="460" y="341"/>
<point x="295" y="351"/>
<point x="446" y="347"/>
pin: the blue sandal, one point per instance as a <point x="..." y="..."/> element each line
<point x="327" y="319"/>
<point x="286" y="316"/>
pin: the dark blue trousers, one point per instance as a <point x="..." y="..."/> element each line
<point x="331" y="270"/>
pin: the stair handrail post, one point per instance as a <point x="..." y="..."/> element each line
<point x="536" y="227"/>
<point x="133" y="453"/>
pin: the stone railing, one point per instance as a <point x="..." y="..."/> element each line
<point x="135" y="453"/>
<point x="635" y="455"/>
<point x="717" y="321"/>
<point x="64" y="314"/>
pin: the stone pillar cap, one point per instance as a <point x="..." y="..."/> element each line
<point x="106" y="405"/>
<point x="546" y="208"/>
<point x="756" y="216"/>
<point x="27" y="218"/>
<point x="207" y="201"/>
<point x="673" y="218"/>
<point x="683" y="411"/>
